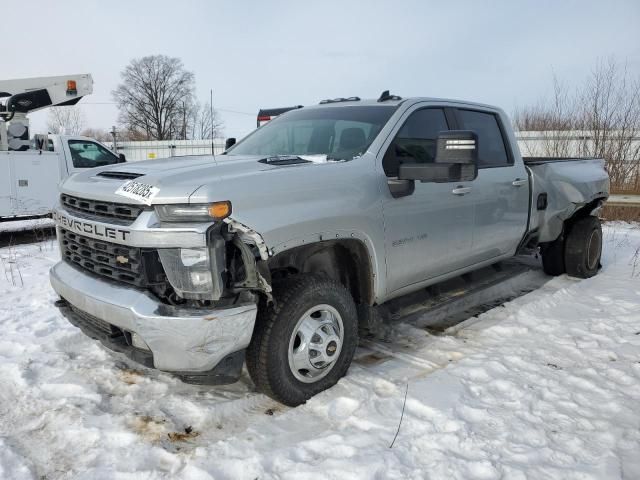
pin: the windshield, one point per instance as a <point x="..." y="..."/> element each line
<point x="340" y="133"/>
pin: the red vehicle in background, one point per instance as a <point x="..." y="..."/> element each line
<point x="267" y="114"/>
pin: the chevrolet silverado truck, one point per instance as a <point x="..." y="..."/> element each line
<point x="279" y="252"/>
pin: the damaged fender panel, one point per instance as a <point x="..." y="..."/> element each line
<point x="568" y="189"/>
<point x="249" y="236"/>
<point x="256" y="273"/>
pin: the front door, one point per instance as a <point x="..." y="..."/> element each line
<point x="429" y="232"/>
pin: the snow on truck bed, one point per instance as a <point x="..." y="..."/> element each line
<point x="545" y="386"/>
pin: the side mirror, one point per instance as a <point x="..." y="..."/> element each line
<point x="122" y="158"/>
<point x="230" y="142"/>
<point x="457" y="146"/>
<point x="456" y="160"/>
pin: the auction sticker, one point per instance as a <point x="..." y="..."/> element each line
<point x="138" y="191"/>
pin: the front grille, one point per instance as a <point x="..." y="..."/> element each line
<point x="96" y="209"/>
<point x="120" y="263"/>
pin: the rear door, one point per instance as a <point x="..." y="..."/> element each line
<point x="428" y="232"/>
<point x="502" y="191"/>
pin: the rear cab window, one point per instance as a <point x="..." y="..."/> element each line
<point x="492" y="150"/>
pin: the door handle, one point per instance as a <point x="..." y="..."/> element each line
<point x="460" y="190"/>
<point x="518" y="182"/>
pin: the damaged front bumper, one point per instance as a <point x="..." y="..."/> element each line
<point x="204" y="346"/>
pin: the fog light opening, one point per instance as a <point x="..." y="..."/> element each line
<point x="138" y="342"/>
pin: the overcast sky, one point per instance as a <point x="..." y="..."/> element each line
<point x="257" y="54"/>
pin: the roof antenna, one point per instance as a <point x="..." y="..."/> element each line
<point x="387" y="96"/>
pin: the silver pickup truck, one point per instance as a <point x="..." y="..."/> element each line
<point x="279" y="250"/>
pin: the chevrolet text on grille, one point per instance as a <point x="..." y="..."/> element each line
<point x="85" y="227"/>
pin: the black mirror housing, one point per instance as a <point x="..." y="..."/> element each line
<point x="457" y="146"/>
<point x="122" y="158"/>
<point x="437" y="172"/>
<point x="456" y="160"/>
<point x="230" y="142"/>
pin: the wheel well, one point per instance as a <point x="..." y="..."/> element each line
<point x="345" y="261"/>
<point x="586" y="210"/>
<point x="582" y="212"/>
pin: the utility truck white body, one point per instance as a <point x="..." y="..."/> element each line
<point x="29" y="179"/>
<point x="32" y="167"/>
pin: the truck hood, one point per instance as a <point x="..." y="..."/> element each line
<point x="175" y="178"/>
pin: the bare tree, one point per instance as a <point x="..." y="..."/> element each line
<point x="553" y="121"/>
<point x="202" y="125"/>
<point x="65" y="120"/>
<point x="127" y="135"/>
<point x="153" y="96"/>
<point x="609" y="114"/>
<point x="97" y="133"/>
<point x="600" y="118"/>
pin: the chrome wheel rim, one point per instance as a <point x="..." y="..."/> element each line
<point x="315" y="343"/>
<point x="593" y="250"/>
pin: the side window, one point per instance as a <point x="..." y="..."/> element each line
<point x="85" y="154"/>
<point x="416" y="141"/>
<point x="491" y="148"/>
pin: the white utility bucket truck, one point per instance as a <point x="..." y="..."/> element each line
<point x="32" y="167"/>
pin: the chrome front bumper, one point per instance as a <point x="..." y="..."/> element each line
<point x="181" y="340"/>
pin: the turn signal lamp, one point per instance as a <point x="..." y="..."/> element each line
<point x="220" y="210"/>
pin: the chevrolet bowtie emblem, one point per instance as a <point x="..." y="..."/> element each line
<point x="121" y="259"/>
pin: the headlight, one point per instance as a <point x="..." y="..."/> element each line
<point x="198" y="212"/>
<point x="189" y="270"/>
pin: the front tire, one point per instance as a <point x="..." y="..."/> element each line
<point x="583" y="248"/>
<point x="553" y="257"/>
<point x="304" y="343"/>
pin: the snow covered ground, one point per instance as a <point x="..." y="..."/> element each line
<point x="545" y="386"/>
